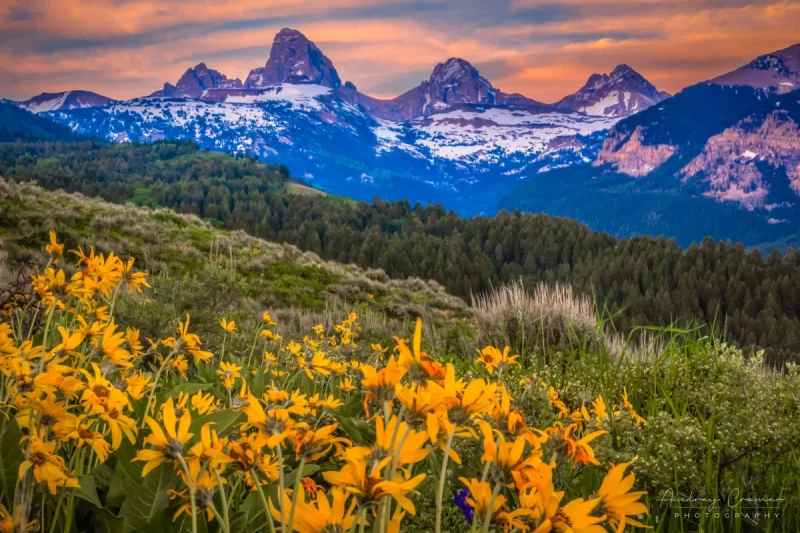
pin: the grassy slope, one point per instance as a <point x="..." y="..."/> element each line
<point x="195" y="266"/>
<point x="302" y="190"/>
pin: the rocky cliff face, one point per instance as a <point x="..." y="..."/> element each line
<point x="619" y="94"/>
<point x="196" y="81"/>
<point x="630" y="156"/>
<point x="294" y="59"/>
<point x="728" y="164"/>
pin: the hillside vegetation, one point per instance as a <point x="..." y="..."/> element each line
<point x="221" y="383"/>
<point x="718" y="287"/>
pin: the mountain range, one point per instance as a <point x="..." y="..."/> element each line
<point x="724" y="152"/>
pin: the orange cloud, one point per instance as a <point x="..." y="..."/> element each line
<point x="126" y="49"/>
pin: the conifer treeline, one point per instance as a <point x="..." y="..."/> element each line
<point x="641" y="281"/>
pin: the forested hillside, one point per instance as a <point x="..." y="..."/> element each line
<point x="638" y="281"/>
<point x="17" y="124"/>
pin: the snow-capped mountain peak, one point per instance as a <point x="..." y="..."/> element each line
<point x="621" y="93"/>
<point x="64" y="100"/>
<point x="294" y="59"/>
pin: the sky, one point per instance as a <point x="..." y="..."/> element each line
<point x="542" y="49"/>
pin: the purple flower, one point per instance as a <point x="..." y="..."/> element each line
<point x="461" y="501"/>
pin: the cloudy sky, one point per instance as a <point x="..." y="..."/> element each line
<point x="540" y="48"/>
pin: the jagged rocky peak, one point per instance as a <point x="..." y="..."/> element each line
<point x="452" y="83"/>
<point x="456" y="81"/>
<point x="294" y="59"/>
<point x="196" y="80"/>
<point x="620" y="93"/>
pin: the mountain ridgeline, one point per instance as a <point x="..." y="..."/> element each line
<point x="712" y="160"/>
<point x="643" y="280"/>
<point x="718" y="159"/>
<point x="454" y="138"/>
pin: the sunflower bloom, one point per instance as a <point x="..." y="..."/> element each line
<point x="480" y="497"/>
<point x="47" y="467"/>
<point x="165" y="446"/>
<point x="367" y="484"/>
<point x="313" y="444"/>
<point x="325" y="516"/>
<point x="616" y="500"/>
<point x="228" y="373"/>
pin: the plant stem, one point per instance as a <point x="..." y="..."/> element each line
<point x="296" y="492"/>
<point x="485" y="474"/>
<point x="442" y="476"/>
<point x="386" y="503"/>
<point x="224" y="501"/>
<point x="253" y="348"/>
<point x="190" y="483"/>
<point x="225" y="527"/>
<point x="359" y="516"/>
<point x="282" y="495"/>
<point x="363" y="521"/>
<point x="488" y="518"/>
<point x="153" y="389"/>
<point x="267" y="514"/>
<point x="486" y="471"/>
<point x="44" y="338"/>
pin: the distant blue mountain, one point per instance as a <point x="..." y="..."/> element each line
<point x="713" y="160"/>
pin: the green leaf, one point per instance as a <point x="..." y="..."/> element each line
<point x="108" y="522"/>
<point x="150" y="498"/>
<point x="223" y="421"/>
<point x="10" y="459"/>
<point x="207" y="373"/>
<point x="308" y="470"/>
<point x="252" y="507"/>
<point x="188" y="388"/>
<point x="239" y="521"/>
<point x="259" y="383"/>
<point x="88" y="491"/>
<point x="102" y="475"/>
<point x="358" y="430"/>
<point x="127" y="476"/>
<point x="352" y="408"/>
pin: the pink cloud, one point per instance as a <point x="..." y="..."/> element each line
<point x="126" y="49"/>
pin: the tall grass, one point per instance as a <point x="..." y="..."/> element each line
<point x="721" y="425"/>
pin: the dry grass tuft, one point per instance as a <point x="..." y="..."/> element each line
<point x="645" y="346"/>
<point x="548" y="315"/>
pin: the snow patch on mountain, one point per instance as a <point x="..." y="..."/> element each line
<point x="492" y="134"/>
<point x="51" y="104"/>
<point x="297" y="95"/>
